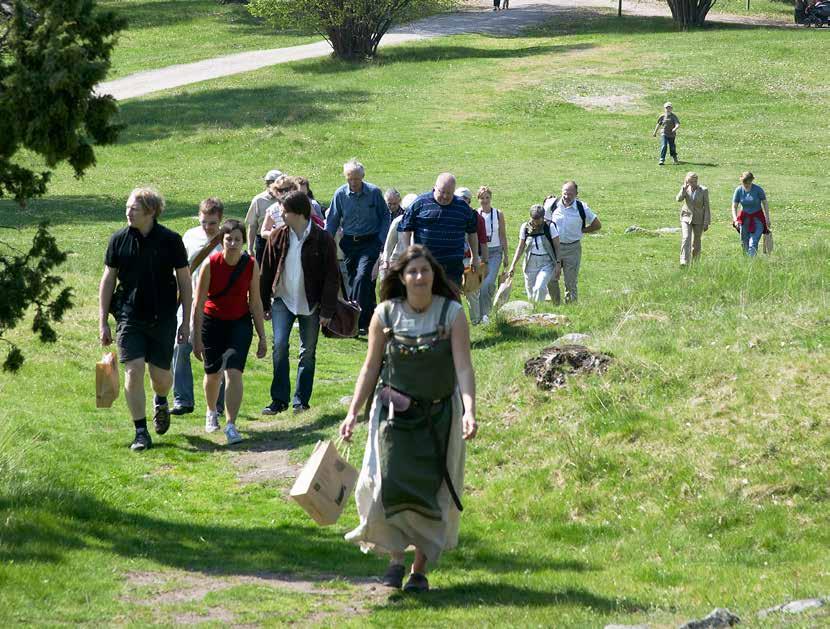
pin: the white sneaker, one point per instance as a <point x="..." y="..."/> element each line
<point x="485" y="320"/>
<point x="211" y="421"/>
<point x="232" y="434"/>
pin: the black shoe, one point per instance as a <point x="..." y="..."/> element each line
<point x="274" y="408"/>
<point x="363" y="332"/>
<point x="394" y="576"/>
<point x="142" y="441"/>
<point x="161" y="419"/>
<point x="181" y="410"/>
<point x="416" y="584"/>
<point x="301" y="408"/>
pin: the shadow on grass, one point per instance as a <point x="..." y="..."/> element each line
<point x="433" y="53"/>
<point x="267" y="440"/>
<point x="501" y="595"/>
<point x="215" y="110"/>
<point x="586" y="21"/>
<point x="503" y="332"/>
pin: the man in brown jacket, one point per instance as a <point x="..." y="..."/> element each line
<point x="694" y="217"/>
<point x="299" y="281"/>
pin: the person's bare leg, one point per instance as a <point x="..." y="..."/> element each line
<point x="212" y="382"/>
<point x="420" y="563"/>
<point x="233" y="393"/>
<point x="134" y="388"/>
<point x="161" y="379"/>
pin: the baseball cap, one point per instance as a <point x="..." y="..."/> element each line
<point x="464" y="193"/>
<point x="272" y="175"/>
<point x="666" y="104"/>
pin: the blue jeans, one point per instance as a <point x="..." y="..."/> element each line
<point x="360" y="257"/>
<point x="667" y="143"/>
<point x="490" y="284"/>
<point x="282" y="320"/>
<point x="751" y="241"/>
<point x="183" y="379"/>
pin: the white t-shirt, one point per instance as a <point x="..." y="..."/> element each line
<point x="491" y="224"/>
<point x="291" y="287"/>
<point x="534" y="244"/>
<point x="568" y="221"/>
<point x="194" y="239"/>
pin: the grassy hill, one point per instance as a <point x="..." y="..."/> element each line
<point x="693" y="474"/>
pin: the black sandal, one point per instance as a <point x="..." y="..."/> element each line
<point x="394" y="576"/>
<point x="416" y="584"/>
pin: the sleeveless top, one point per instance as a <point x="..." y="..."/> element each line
<point x="491" y="224"/>
<point x="234" y="303"/>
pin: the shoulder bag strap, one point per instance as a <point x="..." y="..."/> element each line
<point x="237" y="271"/>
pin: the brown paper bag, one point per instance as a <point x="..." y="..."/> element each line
<point x="324" y="484"/>
<point x="502" y="294"/>
<point x="767" y="242"/>
<point x="106" y="381"/>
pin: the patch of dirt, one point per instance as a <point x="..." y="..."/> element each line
<point x="170" y="588"/>
<point x="609" y="102"/>
<point x="542" y="319"/>
<point x="553" y="366"/>
<point x="266" y="465"/>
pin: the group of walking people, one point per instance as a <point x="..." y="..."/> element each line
<point x="284" y="263"/>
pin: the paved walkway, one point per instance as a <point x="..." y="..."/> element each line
<point x="472" y="20"/>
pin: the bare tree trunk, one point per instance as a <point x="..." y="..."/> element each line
<point x="689" y="13"/>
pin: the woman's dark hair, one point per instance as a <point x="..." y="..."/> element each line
<point x="392" y="285"/>
<point x="297" y="203"/>
<point x="232" y="224"/>
<point x="303" y="181"/>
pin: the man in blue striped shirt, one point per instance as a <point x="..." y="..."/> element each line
<point x="441" y="222"/>
<point x="360" y="209"/>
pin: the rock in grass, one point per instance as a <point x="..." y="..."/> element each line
<point x="516" y="308"/>
<point x="574" y="338"/>
<point x="539" y="319"/>
<point x="636" y="229"/>
<point x="718" y="618"/>
<point x="796" y="607"/>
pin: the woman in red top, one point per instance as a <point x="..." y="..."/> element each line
<point x="226" y="298"/>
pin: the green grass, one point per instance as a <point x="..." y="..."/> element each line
<point x="693" y="475"/>
<point x="167" y="32"/>
<point x="765" y="8"/>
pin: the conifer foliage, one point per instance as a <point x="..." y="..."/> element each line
<point x="52" y="54"/>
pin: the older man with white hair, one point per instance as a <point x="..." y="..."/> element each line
<point x="442" y="222"/>
<point x="360" y="209"/>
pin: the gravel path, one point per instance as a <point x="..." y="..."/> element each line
<point x="474" y="19"/>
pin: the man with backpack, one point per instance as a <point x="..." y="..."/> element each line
<point x="539" y="242"/>
<point x="572" y="219"/>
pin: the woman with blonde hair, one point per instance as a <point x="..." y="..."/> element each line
<point x="497" y="249"/>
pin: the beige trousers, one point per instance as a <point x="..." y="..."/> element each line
<point x="571" y="254"/>
<point x="690" y="241"/>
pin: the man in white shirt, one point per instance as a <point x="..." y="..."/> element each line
<point x="211" y="211"/>
<point x="573" y="219"/>
<point x="299" y="271"/>
<point x="256" y="214"/>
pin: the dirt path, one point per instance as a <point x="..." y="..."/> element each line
<point x="477" y="18"/>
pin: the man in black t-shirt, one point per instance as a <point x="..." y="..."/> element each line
<point x="149" y="263"/>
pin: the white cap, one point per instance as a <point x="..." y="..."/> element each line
<point x="464" y="193"/>
<point x="272" y="175"/>
<point x="666" y="104"/>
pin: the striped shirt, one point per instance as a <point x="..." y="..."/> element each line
<point x="442" y="229"/>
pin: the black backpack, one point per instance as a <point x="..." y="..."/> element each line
<point x="579" y="206"/>
<point x="545" y="232"/>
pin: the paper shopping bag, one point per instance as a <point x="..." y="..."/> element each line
<point x="106" y="381"/>
<point x="325" y="483"/>
<point x="767" y="242"/>
<point x="502" y="294"/>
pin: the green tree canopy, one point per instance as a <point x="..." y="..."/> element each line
<point x="354" y="28"/>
